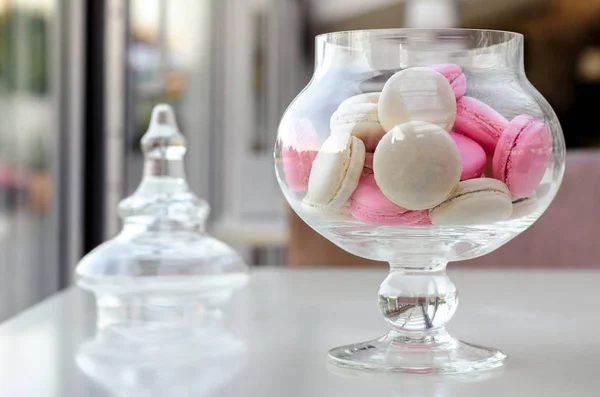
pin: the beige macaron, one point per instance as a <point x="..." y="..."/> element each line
<point x="524" y="206"/>
<point x="335" y="171"/>
<point x="316" y="212"/>
<point x="358" y="115"/>
<point x="417" y="94"/>
<point x="417" y="165"/>
<point x="475" y="201"/>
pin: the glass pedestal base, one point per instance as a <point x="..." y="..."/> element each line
<point x="428" y="353"/>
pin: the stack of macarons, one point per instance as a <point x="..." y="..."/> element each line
<point x="415" y="153"/>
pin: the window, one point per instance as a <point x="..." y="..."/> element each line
<point x="32" y="152"/>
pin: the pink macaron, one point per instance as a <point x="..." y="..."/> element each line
<point x="299" y="146"/>
<point x="522" y="155"/>
<point x="455" y="76"/>
<point x="472" y="154"/>
<point x="479" y="122"/>
<point x="369" y="205"/>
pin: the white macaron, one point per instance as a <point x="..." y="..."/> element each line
<point x="417" y="94"/>
<point x="358" y="115"/>
<point x="313" y="212"/>
<point x="475" y="201"/>
<point x="417" y="165"/>
<point x="524" y="206"/>
<point x="335" y="171"/>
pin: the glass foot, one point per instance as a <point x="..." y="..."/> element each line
<point x="429" y="353"/>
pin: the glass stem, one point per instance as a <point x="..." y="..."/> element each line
<point x="418" y="298"/>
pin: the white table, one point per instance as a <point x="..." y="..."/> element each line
<point x="286" y="320"/>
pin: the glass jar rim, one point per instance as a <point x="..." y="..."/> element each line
<point x="477" y="48"/>
<point x="398" y="32"/>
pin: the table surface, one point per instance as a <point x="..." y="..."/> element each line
<point x="281" y="326"/>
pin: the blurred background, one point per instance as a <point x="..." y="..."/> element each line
<point x="78" y="80"/>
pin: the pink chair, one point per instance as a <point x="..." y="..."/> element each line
<point x="567" y="235"/>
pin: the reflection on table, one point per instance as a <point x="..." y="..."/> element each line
<point x="162" y="362"/>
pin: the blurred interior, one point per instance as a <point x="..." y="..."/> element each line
<point x="78" y="81"/>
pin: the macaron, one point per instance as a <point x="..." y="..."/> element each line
<point x="358" y="116"/>
<point x="455" y="76"/>
<point x="299" y="147"/>
<point x="522" y="155"/>
<point x="316" y="212"/>
<point x="335" y="171"/>
<point x="479" y="122"/>
<point x="476" y="201"/>
<point x="425" y="221"/>
<point x="369" y="205"/>
<point x="417" y="94"/>
<point x="524" y="206"/>
<point x="417" y="165"/>
<point x="472" y="154"/>
<point x="367" y="97"/>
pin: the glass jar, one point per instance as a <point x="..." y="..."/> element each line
<point x="418" y="147"/>
<point x="163" y="271"/>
